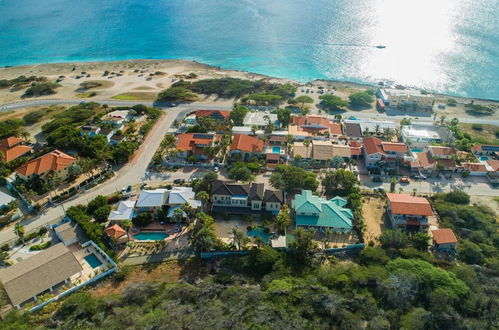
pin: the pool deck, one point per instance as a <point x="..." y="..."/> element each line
<point x="80" y="254"/>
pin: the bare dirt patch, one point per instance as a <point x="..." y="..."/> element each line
<point x="373" y="210"/>
<point x="167" y="272"/>
<point x="143" y="88"/>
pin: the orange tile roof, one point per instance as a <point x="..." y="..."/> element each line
<point x="115" y="231"/>
<point x="372" y="145"/>
<point x="332" y="127"/>
<point x="356" y="144"/>
<point x="14" y="152"/>
<point x="494" y="164"/>
<point x="442" y="151"/>
<point x="53" y="161"/>
<point x="208" y="113"/>
<point x="474" y="167"/>
<point x="423" y="159"/>
<point x="393" y="146"/>
<point x="10" y="142"/>
<point x="444" y="236"/>
<point x="246" y="143"/>
<point x="409" y="205"/>
<point x="189" y="141"/>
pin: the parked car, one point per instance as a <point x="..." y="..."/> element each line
<point x="179" y="181"/>
<point x="405" y="179"/>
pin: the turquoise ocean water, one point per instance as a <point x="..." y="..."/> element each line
<point x="447" y="46"/>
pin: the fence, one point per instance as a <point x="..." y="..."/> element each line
<point x="206" y="255"/>
<point x="186" y="164"/>
<point x="350" y="249"/>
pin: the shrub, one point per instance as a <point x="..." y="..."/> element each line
<point x="457" y="197"/>
<point x="373" y="256"/>
<point x="39" y="247"/>
<point x="142" y="219"/>
<point x="40" y="89"/>
<point x="451" y="102"/>
<point x="477" y="127"/>
<point x="102" y="213"/>
<point x="479" y="110"/>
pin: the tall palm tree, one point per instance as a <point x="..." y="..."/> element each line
<point x="282" y="220"/>
<point x="126" y="225"/>
<point x="238" y="237"/>
<point x="329" y="233"/>
<point x="365" y="133"/>
<point x="25" y="136"/>
<point x="19" y="230"/>
<point x="393" y="182"/>
<point x="204" y="197"/>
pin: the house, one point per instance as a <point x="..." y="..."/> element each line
<point x="13" y="148"/>
<point x="260" y="119"/>
<point x="485" y="150"/>
<point x="70" y="233"/>
<point x="218" y="115"/>
<point x="405" y="99"/>
<point x="5" y="200"/>
<point x="195" y="144"/>
<point x="312" y="211"/>
<point x="116" y="139"/>
<point x="117" y="118"/>
<point x="179" y="196"/>
<point x="408" y="212"/>
<point x="421" y="136"/>
<point x="246" y="145"/>
<point x="317" y="125"/>
<point x="356" y="128"/>
<point x="125" y="211"/>
<point x="89" y="130"/>
<point x="52" y="162"/>
<point x="444" y="240"/>
<point x="387" y="154"/>
<point x="475" y="169"/>
<point x="231" y="197"/>
<point x="423" y="162"/>
<point x="301" y="150"/>
<point x="107" y="133"/>
<point x="31" y="277"/>
<point x="352" y="130"/>
<point x="152" y="200"/>
<point x="493" y="171"/>
<point x="117" y="233"/>
<point x="356" y="149"/>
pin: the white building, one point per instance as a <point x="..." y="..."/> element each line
<point x="420" y="136"/>
<point x="259" y="119"/>
<point x="372" y="125"/>
<point x="405" y="99"/>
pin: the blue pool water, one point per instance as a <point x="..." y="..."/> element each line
<point x="93" y="261"/>
<point x="276" y="150"/>
<point x="454" y="49"/>
<point x="259" y="232"/>
<point x="151" y="236"/>
<point x="416" y="150"/>
<point x="484" y="158"/>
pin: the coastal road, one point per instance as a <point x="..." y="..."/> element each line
<point x="134" y="172"/>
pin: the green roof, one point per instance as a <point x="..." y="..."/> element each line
<point x="321" y="212"/>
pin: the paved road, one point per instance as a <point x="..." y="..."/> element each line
<point x="42" y="102"/>
<point x="132" y="173"/>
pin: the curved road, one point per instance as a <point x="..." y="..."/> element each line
<point x="132" y="173"/>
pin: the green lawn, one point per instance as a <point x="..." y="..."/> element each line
<point x="135" y="96"/>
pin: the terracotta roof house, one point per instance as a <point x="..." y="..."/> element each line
<point x="493" y="164"/>
<point x="376" y="150"/>
<point x="189" y="144"/>
<point x="317" y="124"/>
<point x="13" y="148"/>
<point x="442" y="152"/>
<point x="244" y="198"/>
<point x="312" y="211"/>
<point x="53" y="162"/>
<point x="246" y="145"/>
<point x="408" y="212"/>
<point x="116" y="232"/>
<point x="485" y="150"/>
<point x="213" y="114"/>
<point x="475" y="169"/>
<point x="31" y="277"/>
<point x="444" y="240"/>
<point x="355" y="149"/>
<point x="423" y="162"/>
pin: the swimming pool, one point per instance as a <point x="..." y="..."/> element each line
<point x="151" y="236"/>
<point x="258" y="231"/>
<point x="93" y="261"/>
<point x="276" y="150"/>
<point x="484" y="158"/>
<point x="416" y="150"/>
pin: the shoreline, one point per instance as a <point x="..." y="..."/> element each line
<point x="60" y="68"/>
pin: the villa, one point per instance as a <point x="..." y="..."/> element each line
<point x="125" y="211"/>
<point x="246" y="146"/>
<point x="13" y="148"/>
<point x="312" y="211"/>
<point x="405" y="98"/>
<point x="32" y="277"/>
<point x="53" y="162"/>
<point x="317" y="125"/>
<point x="484" y="150"/>
<point x="260" y="119"/>
<point x="444" y="240"/>
<point x="244" y="198"/>
<point x="408" y="212"/>
<point x="420" y="136"/>
<point x="195" y="144"/>
<point x="217" y="115"/>
<point x="70" y="233"/>
<point x="160" y="199"/>
<point x="377" y="152"/>
<point x="151" y="200"/>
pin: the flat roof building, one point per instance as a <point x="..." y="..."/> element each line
<point x="421" y="136"/>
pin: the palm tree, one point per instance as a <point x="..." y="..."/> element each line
<point x="258" y="240"/>
<point x="365" y="133"/>
<point x="282" y="220"/>
<point x="442" y="119"/>
<point x="204" y="197"/>
<point x="377" y="130"/>
<point x="189" y="211"/>
<point x="393" y="182"/>
<point x="19" y="230"/>
<point x="126" y="225"/>
<point x="25" y="136"/>
<point x="329" y="233"/>
<point x="238" y="237"/>
<point x="178" y="215"/>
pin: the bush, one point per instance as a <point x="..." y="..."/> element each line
<point x="451" y="102"/>
<point x="102" y="213"/>
<point x="96" y="203"/>
<point x="176" y="94"/>
<point x="479" y="110"/>
<point x="457" y="197"/>
<point x="477" y="127"/>
<point x="39" y="247"/>
<point x="373" y="256"/>
<point x="395" y="239"/>
<point x="142" y="219"/>
<point x="360" y="99"/>
<point x="40" y="89"/>
<point x="33" y="117"/>
<point x="470" y="253"/>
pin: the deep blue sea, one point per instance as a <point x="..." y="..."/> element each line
<point x="447" y="46"/>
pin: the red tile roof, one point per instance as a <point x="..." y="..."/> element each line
<point x="115" y="231"/>
<point x="393" y="146"/>
<point x="189" y="141"/>
<point x="216" y="113"/>
<point x="373" y="145"/>
<point x="444" y="236"/>
<point x="53" y="161"/>
<point x="494" y="164"/>
<point x="442" y="151"/>
<point x="409" y="205"/>
<point x="10" y="142"/>
<point x="246" y="143"/>
<point x="332" y="127"/>
<point x="474" y="167"/>
<point x="423" y="159"/>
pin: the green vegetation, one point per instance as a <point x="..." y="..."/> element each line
<point x="10" y="127"/>
<point x="360" y="99"/>
<point x="41" y="89"/>
<point x="237" y="114"/>
<point x="465" y="137"/>
<point x="93" y="230"/>
<point x="20" y="82"/>
<point x="41" y="246"/>
<point x="452" y="102"/>
<point x="292" y="178"/>
<point x="142" y="219"/>
<point x="241" y="172"/>
<point x="479" y="110"/>
<point x="332" y="102"/>
<point x="176" y="94"/>
<point x="284" y="117"/>
<point x="301" y="100"/>
<point x="90" y="84"/>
